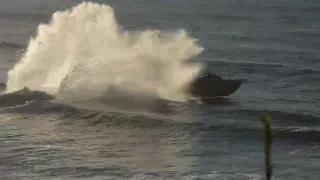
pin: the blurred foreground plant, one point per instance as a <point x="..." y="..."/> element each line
<point x="267" y="145"/>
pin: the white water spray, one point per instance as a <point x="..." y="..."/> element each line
<point x="83" y="51"/>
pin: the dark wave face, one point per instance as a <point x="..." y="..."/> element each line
<point x="11" y="45"/>
<point x="22" y="96"/>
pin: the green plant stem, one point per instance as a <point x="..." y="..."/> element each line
<point x="267" y="145"/>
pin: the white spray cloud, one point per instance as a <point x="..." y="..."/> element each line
<point x="83" y="51"/>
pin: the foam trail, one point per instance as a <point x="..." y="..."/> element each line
<point x="83" y="51"/>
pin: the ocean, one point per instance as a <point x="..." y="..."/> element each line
<point x="116" y="71"/>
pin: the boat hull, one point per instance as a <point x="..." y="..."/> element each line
<point x="208" y="88"/>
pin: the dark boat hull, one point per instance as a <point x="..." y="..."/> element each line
<point x="209" y="88"/>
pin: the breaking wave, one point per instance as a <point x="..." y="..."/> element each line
<point x="83" y="53"/>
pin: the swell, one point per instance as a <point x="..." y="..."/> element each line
<point x="277" y="52"/>
<point x="281" y="117"/>
<point x="273" y="69"/>
<point x="293" y="127"/>
<point x="227" y="17"/>
<point x="295" y="135"/>
<point x="290" y="117"/>
<point x="303" y="72"/>
<point x="106" y="116"/>
<point x="264" y="43"/>
<point x="18" y="16"/>
<point x="11" y="45"/>
<point x="302" y="34"/>
<point x="24" y="95"/>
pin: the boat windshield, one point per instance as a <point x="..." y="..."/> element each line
<point x="211" y="75"/>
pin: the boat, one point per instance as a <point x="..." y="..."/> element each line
<point x="211" y="85"/>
